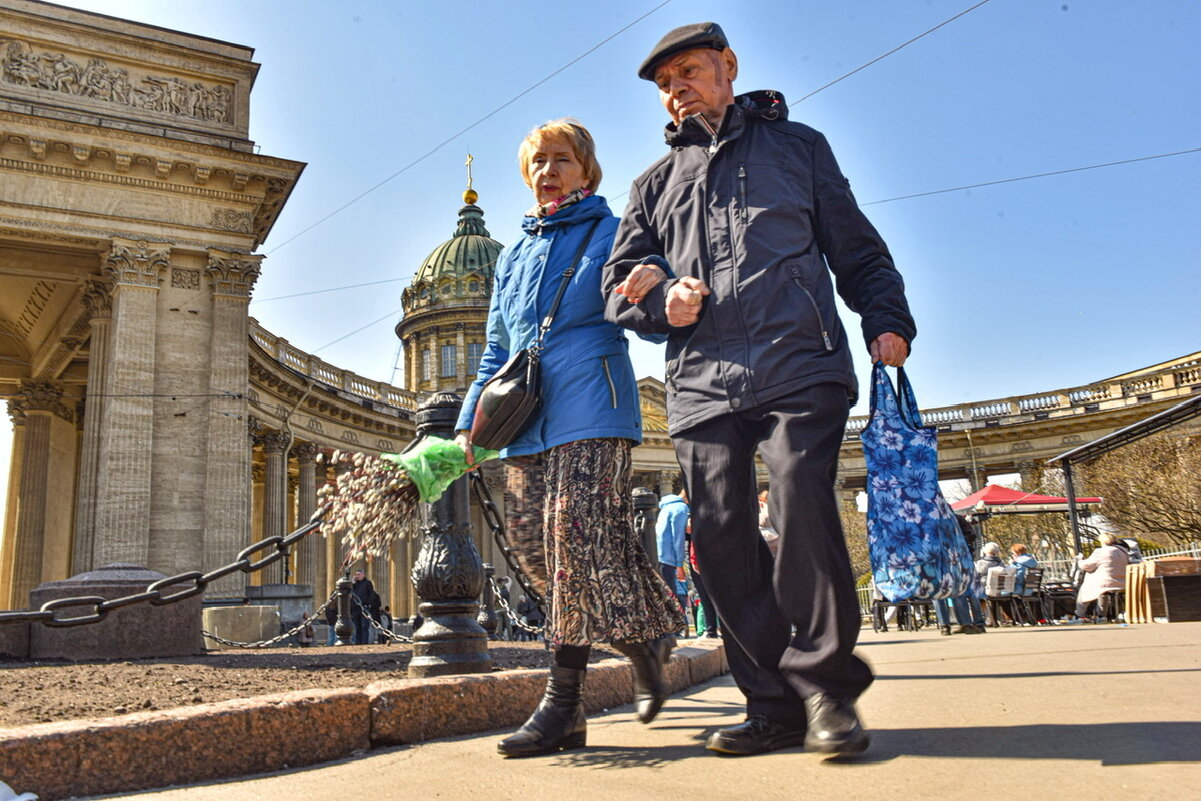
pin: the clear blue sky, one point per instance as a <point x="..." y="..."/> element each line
<point x="1019" y="287"/>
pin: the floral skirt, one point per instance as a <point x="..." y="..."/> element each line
<point x="569" y="519"/>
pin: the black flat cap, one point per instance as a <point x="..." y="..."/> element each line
<point x="686" y="37"/>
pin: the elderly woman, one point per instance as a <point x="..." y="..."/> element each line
<point x="568" y="507"/>
<point x="1104" y="570"/>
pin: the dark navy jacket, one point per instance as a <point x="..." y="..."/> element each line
<point x="762" y="213"/>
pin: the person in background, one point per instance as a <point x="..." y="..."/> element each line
<point x="1104" y="570"/>
<point x="385" y="623"/>
<point x="306" y="635"/>
<point x="331" y="622"/>
<point x="706" y="614"/>
<point x="968" y="611"/>
<point x="770" y="535"/>
<point x="671" y="540"/>
<point x="1022" y="559"/>
<point x="362" y="590"/>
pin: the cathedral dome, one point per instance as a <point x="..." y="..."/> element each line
<point x="459" y="269"/>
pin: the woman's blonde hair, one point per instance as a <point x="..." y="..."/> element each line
<point x="571" y="132"/>
<point x="1107" y="537"/>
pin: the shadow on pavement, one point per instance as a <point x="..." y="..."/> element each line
<point x="1106" y="743"/>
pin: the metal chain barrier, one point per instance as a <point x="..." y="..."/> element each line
<point x="267" y="643"/>
<point x="517" y="621"/>
<point x="276" y="548"/>
<point x="390" y="635"/>
<point x="492" y="517"/>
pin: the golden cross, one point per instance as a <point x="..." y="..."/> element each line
<point x="470" y="159"/>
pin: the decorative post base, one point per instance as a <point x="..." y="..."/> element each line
<point x="450" y="641"/>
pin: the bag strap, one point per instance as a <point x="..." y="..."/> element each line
<point x="567" y="274"/>
<point x="908" y="400"/>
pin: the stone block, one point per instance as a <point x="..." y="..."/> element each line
<point x="703" y="663"/>
<point x="131" y="632"/>
<point x="14" y="640"/>
<point x="292" y="600"/>
<point x="411" y="711"/>
<point x="200" y="743"/>
<point x="609" y="683"/>
<point x="241" y="623"/>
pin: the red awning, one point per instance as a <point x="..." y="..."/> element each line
<point x="1002" y="500"/>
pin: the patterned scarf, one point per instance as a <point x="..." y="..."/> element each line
<point x="574" y="196"/>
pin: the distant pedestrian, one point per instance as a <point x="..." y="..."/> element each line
<point x="362" y="590"/>
<point x="385" y="623"/>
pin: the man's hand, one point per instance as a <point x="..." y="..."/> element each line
<point x="641" y="280"/>
<point x="684" y="301"/>
<point x="463" y="440"/>
<point x="892" y="349"/>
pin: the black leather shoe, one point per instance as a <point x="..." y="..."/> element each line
<point x="834" y="727"/>
<point x="758" y="735"/>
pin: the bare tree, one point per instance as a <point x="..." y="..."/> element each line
<point x="1151" y="488"/>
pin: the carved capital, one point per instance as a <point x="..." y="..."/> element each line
<point x="135" y="264"/>
<point x="42" y="396"/>
<point x="274" y="442"/>
<point x="233" y="274"/>
<point x="305" y="452"/>
<point x="97" y="297"/>
<point x="258" y="473"/>
<point x="16" y="411"/>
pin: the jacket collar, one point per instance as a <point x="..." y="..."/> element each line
<point x="587" y="209"/>
<point x="765" y="105"/>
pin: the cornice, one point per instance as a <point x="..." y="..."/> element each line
<point x="37" y="124"/>
<point x="91" y="238"/>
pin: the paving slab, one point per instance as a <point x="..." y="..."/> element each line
<point x="1064" y="712"/>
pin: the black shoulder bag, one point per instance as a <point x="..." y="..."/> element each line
<point x="512" y="396"/>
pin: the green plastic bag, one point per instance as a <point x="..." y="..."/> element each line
<point x="434" y="464"/>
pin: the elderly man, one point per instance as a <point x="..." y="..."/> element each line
<point x="747" y="217"/>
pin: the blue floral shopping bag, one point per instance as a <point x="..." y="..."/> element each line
<point x="917" y="550"/>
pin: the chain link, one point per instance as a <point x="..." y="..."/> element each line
<point x="391" y="635"/>
<point x="153" y="592"/>
<point x="492" y="517"/>
<point x="517" y="621"/>
<point x="273" y="640"/>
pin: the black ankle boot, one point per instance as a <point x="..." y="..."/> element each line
<point x="557" y="724"/>
<point x="647" y="659"/>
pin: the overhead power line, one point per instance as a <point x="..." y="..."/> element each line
<point x="376" y="321"/>
<point x="323" y="291"/>
<point x="890" y="52"/>
<point x="455" y="136"/>
<point x="1030" y="177"/>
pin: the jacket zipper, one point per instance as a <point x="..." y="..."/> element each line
<point x="704" y="123"/>
<point x="813" y="301"/>
<point x="609" y="378"/>
<point x="742" y="194"/>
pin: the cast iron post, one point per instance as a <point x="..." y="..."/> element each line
<point x="646" y="508"/>
<point x="448" y="573"/>
<point x="344" y="626"/>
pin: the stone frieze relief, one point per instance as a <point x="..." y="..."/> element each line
<point x="24" y="65"/>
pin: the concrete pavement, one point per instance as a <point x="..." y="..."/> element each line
<point x="1061" y="712"/>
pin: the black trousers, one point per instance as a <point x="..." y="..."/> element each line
<point x="791" y="625"/>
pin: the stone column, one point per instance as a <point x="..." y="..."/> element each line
<point x="666" y="483"/>
<point x="127" y="418"/>
<point x="8" y="599"/>
<point x="461" y="356"/>
<point x="412" y="348"/>
<point x="41" y="546"/>
<point x="257" y="476"/>
<point x="227" y="513"/>
<point x="275" y="497"/>
<point x="435" y="359"/>
<point x="99" y="301"/>
<point x="307" y="550"/>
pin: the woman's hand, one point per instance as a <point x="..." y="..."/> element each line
<point x="641" y="280"/>
<point x="463" y="440"/>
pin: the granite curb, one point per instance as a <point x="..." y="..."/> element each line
<point x="304" y="727"/>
